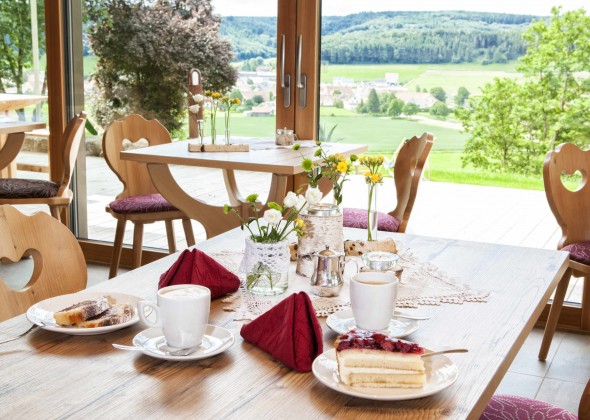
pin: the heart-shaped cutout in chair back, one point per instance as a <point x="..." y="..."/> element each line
<point x="573" y="181"/>
<point x="22" y="273"/>
<point x="131" y="145"/>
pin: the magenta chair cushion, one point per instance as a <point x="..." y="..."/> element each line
<point x="27" y="188"/>
<point x="579" y="252"/>
<point x="511" y="407"/>
<point x="357" y="218"/>
<point x="152" y="203"/>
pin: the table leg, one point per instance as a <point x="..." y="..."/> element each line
<point x="10" y="147"/>
<point x="213" y="219"/>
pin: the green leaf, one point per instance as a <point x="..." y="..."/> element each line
<point x="275" y="206"/>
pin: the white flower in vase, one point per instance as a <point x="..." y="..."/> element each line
<point x="313" y="195"/>
<point x="272" y="216"/>
<point x="194" y="109"/>
<point x="291" y="199"/>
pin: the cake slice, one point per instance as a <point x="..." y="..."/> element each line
<point x="116" y="314"/>
<point x="374" y="360"/>
<point x="81" y="311"/>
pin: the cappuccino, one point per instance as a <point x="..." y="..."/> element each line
<point x="185" y="293"/>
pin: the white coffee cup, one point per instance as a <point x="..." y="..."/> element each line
<point x="182" y="312"/>
<point x="372" y="296"/>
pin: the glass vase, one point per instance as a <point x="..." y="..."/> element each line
<point x="227" y="136"/>
<point x="372" y="214"/>
<point x="201" y="129"/>
<point x="267" y="267"/>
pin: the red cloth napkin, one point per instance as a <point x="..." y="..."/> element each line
<point x="196" y="267"/>
<point x="290" y="332"/>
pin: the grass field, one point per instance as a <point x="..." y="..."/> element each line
<point x="409" y="73"/>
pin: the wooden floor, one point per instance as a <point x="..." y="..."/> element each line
<point x="485" y="214"/>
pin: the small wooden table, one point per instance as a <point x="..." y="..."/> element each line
<point x="53" y="375"/>
<point x="12" y="136"/>
<point x="283" y="163"/>
<point x="12" y="101"/>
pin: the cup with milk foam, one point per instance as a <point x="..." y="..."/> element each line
<point x="182" y="312"/>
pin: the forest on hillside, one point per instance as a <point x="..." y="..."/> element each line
<point x="394" y="37"/>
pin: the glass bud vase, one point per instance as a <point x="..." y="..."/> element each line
<point x="372" y="214"/>
<point x="227" y="135"/>
<point x="267" y="267"/>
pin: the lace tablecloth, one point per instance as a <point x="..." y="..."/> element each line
<point x="422" y="283"/>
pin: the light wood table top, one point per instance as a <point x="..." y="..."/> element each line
<point x="52" y="375"/>
<point x="12" y="101"/>
<point x="283" y="163"/>
<point x="20" y="127"/>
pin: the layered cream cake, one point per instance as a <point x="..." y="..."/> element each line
<point x="374" y="360"/>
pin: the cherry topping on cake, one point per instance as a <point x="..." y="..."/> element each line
<point x="376" y="341"/>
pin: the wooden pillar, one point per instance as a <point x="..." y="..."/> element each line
<point x="55" y="86"/>
<point x="195" y="86"/>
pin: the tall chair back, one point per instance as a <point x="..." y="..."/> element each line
<point x="571" y="208"/>
<point x="59" y="265"/>
<point x="133" y="131"/>
<point x="407" y="174"/>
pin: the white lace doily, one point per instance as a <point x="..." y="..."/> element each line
<point x="422" y="283"/>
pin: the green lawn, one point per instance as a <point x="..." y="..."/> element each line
<point x="407" y="72"/>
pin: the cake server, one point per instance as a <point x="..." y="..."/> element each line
<point x="434" y="353"/>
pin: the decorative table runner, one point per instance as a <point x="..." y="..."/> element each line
<point x="421" y="283"/>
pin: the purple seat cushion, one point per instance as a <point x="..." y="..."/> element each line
<point x="511" y="407"/>
<point x="357" y="218"/>
<point x="152" y="203"/>
<point x="27" y="188"/>
<point x="579" y="252"/>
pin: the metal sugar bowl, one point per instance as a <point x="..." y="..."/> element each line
<point x="328" y="274"/>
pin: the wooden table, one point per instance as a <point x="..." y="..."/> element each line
<point x="283" y="163"/>
<point x="53" y="375"/>
<point x="12" y="137"/>
<point x="12" y="101"/>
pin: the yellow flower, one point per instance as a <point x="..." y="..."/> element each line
<point x="300" y="223"/>
<point x="216" y="95"/>
<point x="367" y="174"/>
<point x="342" y="167"/>
<point x="376" y="178"/>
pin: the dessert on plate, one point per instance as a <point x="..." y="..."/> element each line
<point x="94" y="313"/>
<point x="374" y="360"/>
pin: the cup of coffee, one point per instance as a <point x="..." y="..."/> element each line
<point x="373" y="295"/>
<point x="182" y="312"/>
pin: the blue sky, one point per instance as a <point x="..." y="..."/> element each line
<point x="344" y="7"/>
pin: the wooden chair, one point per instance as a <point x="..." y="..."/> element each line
<point x="57" y="196"/>
<point x="572" y="211"/>
<point x="513" y="407"/>
<point x="407" y="174"/>
<point x="139" y="202"/>
<point x="59" y="263"/>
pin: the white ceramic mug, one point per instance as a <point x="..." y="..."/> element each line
<point x="182" y="312"/>
<point x="372" y="296"/>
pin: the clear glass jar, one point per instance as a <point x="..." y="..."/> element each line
<point x="267" y="267"/>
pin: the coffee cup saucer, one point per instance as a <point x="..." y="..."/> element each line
<point x="343" y="321"/>
<point x="152" y="343"/>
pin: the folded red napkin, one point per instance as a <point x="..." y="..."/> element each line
<point x="196" y="267"/>
<point x="290" y="332"/>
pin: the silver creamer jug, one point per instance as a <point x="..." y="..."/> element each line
<point x="328" y="274"/>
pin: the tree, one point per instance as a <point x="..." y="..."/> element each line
<point x="439" y="93"/>
<point x="145" y="50"/>
<point x="236" y="94"/>
<point x="339" y="103"/>
<point x="16" y="48"/>
<point x="462" y="96"/>
<point x="361" y="108"/>
<point x="395" y="107"/>
<point x="513" y="125"/>
<point x="258" y="99"/>
<point x="373" y="104"/>
<point x="418" y="88"/>
<point x="440" y="109"/>
<point x="494" y="127"/>
<point x="410" y="108"/>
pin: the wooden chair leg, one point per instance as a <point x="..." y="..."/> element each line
<point x="137" y="244"/>
<point x="554" y="314"/>
<point x="65" y="215"/>
<point x="55" y="212"/>
<point x="170" y="236"/>
<point x="117" y="247"/>
<point x="188" y="232"/>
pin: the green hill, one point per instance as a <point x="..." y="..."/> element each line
<point x="394" y="37"/>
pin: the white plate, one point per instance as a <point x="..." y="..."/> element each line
<point x="42" y="313"/>
<point x="216" y="340"/>
<point x="441" y="373"/>
<point x="343" y="321"/>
